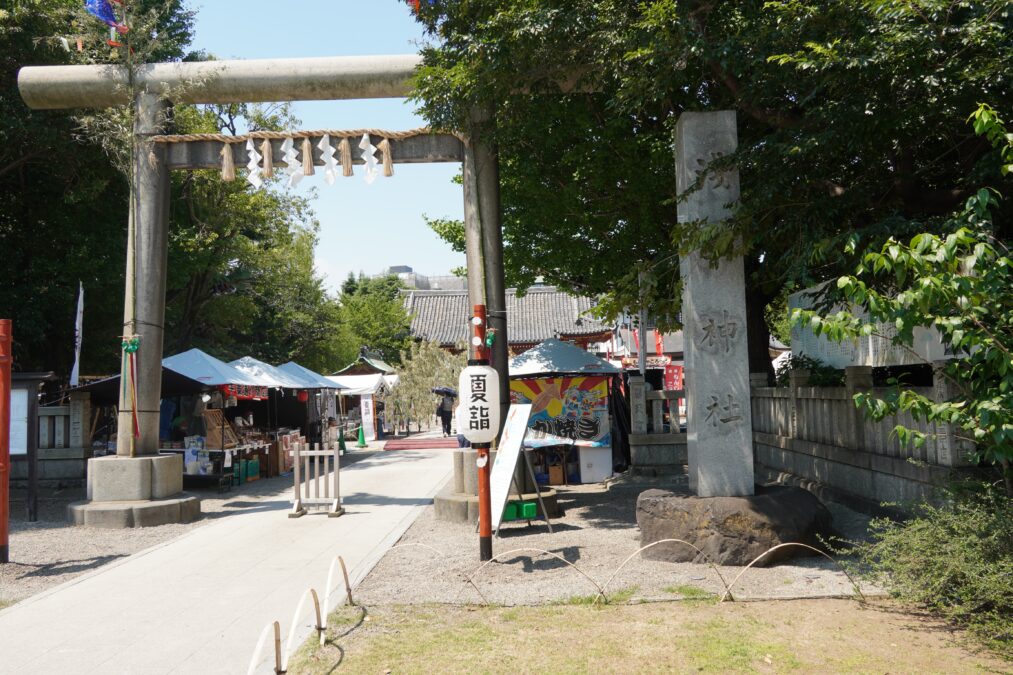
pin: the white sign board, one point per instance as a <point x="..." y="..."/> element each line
<point x="507" y="452"/>
<point x="478" y="388"/>
<point x="366" y="408"/>
<point x="19" y="422"/>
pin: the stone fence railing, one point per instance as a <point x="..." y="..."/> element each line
<point x="817" y="435"/>
<point x="657" y="445"/>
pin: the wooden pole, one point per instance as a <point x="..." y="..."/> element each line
<point x="490" y="217"/>
<point x="6" y="340"/>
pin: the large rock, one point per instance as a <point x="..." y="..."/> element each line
<point x="731" y="530"/>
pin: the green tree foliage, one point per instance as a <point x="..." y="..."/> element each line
<point x="374" y="313"/>
<point x="849" y="118"/>
<point x="961" y="285"/>
<point x="424" y="365"/>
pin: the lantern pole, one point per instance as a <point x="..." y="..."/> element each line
<point x="481" y="354"/>
<point x="5" y="436"/>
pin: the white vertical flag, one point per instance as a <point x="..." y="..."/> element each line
<point x="78" y="328"/>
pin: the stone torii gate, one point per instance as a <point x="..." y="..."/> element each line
<point x="720" y="445"/>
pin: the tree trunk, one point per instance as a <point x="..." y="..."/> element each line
<point x="757" y="332"/>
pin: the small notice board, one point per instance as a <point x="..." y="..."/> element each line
<point x="507" y="452"/>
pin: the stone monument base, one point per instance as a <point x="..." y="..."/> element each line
<point x="731" y="530"/>
<point x="135" y="492"/>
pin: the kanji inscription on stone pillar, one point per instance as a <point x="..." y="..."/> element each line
<point x="719" y="423"/>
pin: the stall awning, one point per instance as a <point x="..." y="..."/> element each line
<point x="312" y="379"/>
<point x="266" y="375"/>
<point x="555" y="357"/>
<point x="206" y="369"/>
<point x="187" y="373"/>
<point x="359" y="385"/>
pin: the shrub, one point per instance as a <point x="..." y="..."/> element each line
<point x="955" y="559"/>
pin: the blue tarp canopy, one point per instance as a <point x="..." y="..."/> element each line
<point x="267" y="375"/>
<point x="206" y="369"/>
<point x="312" y="379"/>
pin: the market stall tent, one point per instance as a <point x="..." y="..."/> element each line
<point x="554" y="356"/>
<point x="568" y="389"/>
<point x="314" y="380"/>
<point x="206" y="369"/>
<point x="366" y="388"/>
<point x="267" y="375"/>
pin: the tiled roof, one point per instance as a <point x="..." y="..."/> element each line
<point x="543" y="313"/>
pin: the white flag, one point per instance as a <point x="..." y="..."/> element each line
<point x="78" y="328"/>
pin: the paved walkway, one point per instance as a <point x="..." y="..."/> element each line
<point x="197" y="604"/>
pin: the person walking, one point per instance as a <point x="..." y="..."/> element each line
<point x="446" y="412"/>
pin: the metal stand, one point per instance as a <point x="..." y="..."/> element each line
<point x="538" y="493"/>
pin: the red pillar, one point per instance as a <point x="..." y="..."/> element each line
<point x="5" y="436"/>
<point x="482" y="449"/>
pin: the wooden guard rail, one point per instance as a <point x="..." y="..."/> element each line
<point x="308" y="476"/>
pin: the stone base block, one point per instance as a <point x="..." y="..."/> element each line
<point x="166" y="476"/>
<point x="116" y="479"/>
<point x="462" y="508"/>
<point x="731" y="530"/>
<point x="137" y="513"/>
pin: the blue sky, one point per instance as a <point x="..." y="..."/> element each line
<point x="362" y="227"/>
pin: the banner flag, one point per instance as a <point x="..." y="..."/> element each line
<point x="78" y="332"/>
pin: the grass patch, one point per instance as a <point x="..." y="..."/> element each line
<point x="4" y="604"/>
<point x="623" y="595"/>
<point x="721" y="646"/>
<point x="763" y="637"/>
<point x="691" y="593"/>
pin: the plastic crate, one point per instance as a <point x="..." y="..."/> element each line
<point x="528" y="510"/>
<point x="510" y="512"/>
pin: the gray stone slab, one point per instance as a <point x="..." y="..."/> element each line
<point x="719" y="420"/>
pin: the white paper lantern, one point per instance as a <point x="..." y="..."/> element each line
<point x="479" y="392"/>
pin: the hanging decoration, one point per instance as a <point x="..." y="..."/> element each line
<point x="307" y="157"/>
<point x="267" y="150"/>
<point x="327" y="154"/>
<point x="369" y="155"/>
<point x="253" y="165"/>
<point x="388" y="158"/>
<point x="228" y="163"/>
<point x="130" y="344"/>
<point x="291" y="158"/>
<point x="416" y="5"/>
<point x="346" y="157"/>
<point x="103" y="11"/>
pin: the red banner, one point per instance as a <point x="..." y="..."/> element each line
<point x="244" y="392"/>
<point x="673" y="377"/>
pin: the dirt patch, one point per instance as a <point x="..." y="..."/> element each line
<point x="698" y="636"/>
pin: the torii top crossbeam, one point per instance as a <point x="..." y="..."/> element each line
<point x="256" y="80"/>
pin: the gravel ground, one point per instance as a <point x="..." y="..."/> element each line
<point x="434" y="559"/>
<point x="50" y="551"/>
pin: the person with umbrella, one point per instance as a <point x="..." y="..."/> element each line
<point x="445" y="408"/>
